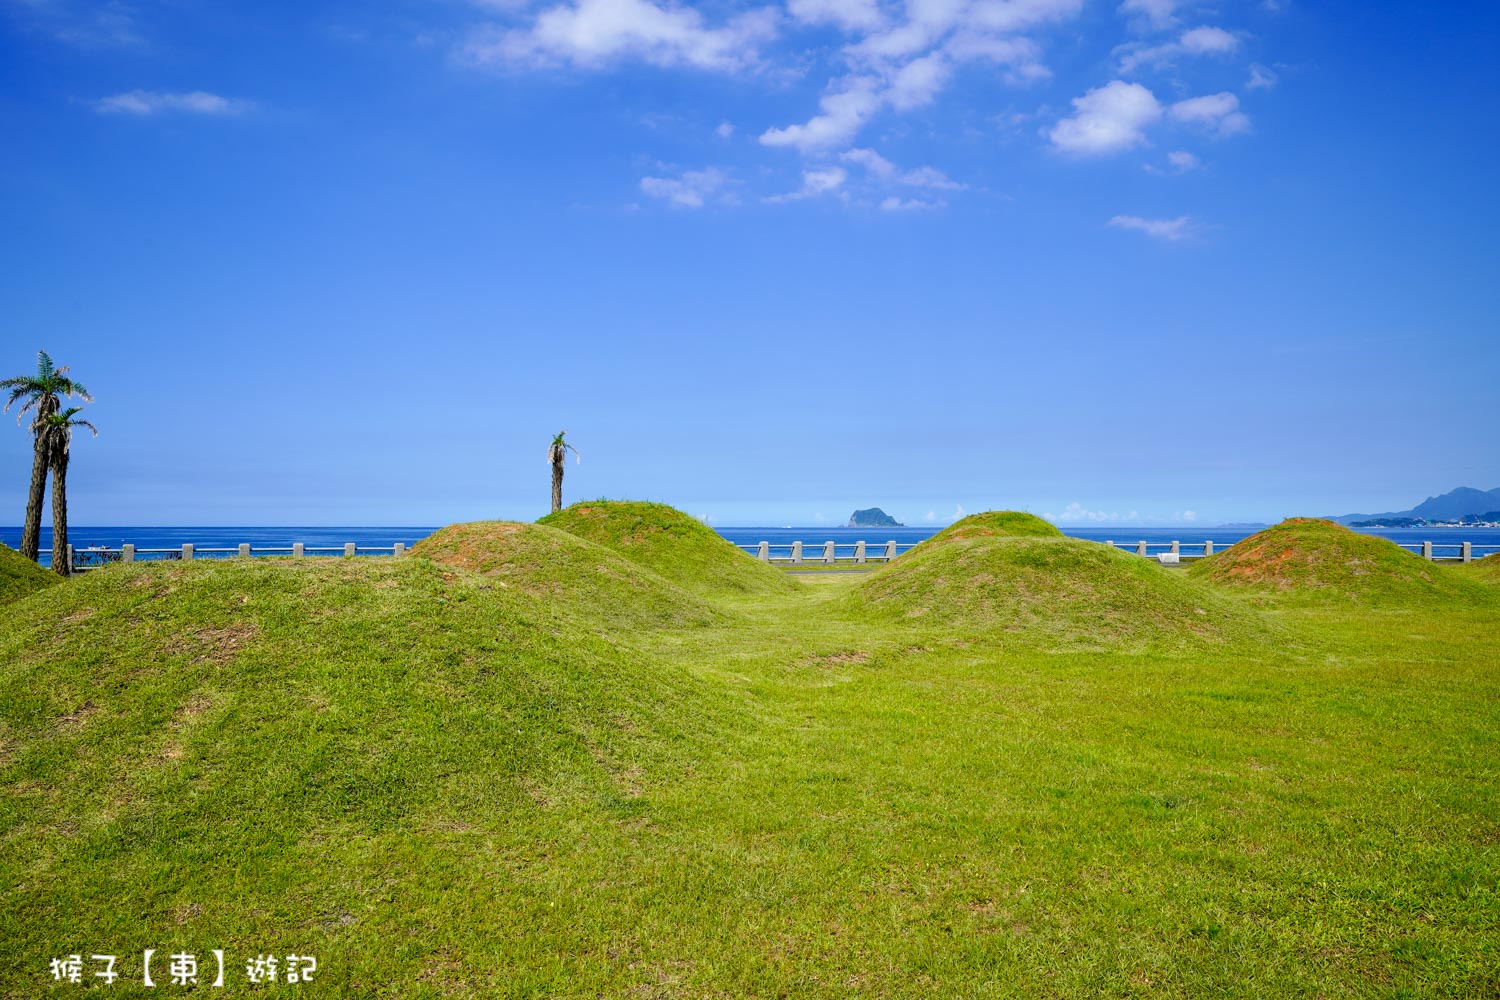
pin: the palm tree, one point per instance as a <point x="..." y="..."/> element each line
<point x="557" y="454"/>
<point x="39" y="393"/>
<point x="58" y="427"/>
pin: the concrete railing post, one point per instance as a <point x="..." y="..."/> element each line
<point x="1208" y="548"/>
<point x="1175" y="549"/>
<point x="187" y="551"/>
<point x="297" y="550"/>
<point x="890" y="550"/>
<point x="244" y="550"/>
<point x="1109" y="542"/>
<point x="1466" y="552"/>
<point x="348" y="548"/>
<point x="400" y="550"/>
<point x="69" y="556"/>
<point x="828" y="554"/>
<point x="763" y="551"/>
<point x="1427" y="550"/>
<point x="796" y="553"/>
<point x="1140" y="548"/>
<point x="127" y="553"/>
<point x="859" y="552"/>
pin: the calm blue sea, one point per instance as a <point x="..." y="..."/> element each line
<point x="1485" y="540"/>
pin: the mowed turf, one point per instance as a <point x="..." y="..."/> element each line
<point x="442" y="786"/>
<point x="20" y="577"/>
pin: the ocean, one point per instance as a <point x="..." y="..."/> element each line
<point x="1484" y="540"/>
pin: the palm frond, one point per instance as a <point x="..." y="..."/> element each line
<point x="45" y="369"/>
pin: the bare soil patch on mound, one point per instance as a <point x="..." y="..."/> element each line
<point x="1322" y="559"/>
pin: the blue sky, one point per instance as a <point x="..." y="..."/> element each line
<point x="1149" y="262"/>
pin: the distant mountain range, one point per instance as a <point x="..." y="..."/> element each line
<point x="1464" y="502"/>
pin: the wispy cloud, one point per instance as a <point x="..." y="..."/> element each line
<point x="894" y="204"/>
<point x="1076" y="513"/>
<point x="814" y="184"/>
<point x="1261" y="77"/>
<point x="881" y="169"/>
<point x="1219" y="113"/>
<point x="1171" y="230"/>
<point x="1179" y="161"/>
<point x="1193" y="42"/>
<point x="89" y="25"/>
<point x="691" y="189"/>
<point x="150" y="102"/>
<point x="1157" y="14"/>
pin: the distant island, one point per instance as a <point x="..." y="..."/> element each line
<point x="873" y="518"/>
<point x="1464" y="507"/>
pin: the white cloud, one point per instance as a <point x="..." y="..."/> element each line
<point x="1194" y="42"/>
<point x="1107" y="119"/>
<point x="1157" y="14"/>
<point x="690" y="190"/>
<point x="918" y="82"/>
<point x="1206" y="41"/>
<point x="1219" y="113"/>
<point x="149" y="102"/>
<point x="877" y="165"/>
<point x="844" y="113"/>
<point x="596" y="32"/>
<point x="881" y="169"/>
<point x="1261" y="77"/>
<point x="930" y="516"/>
<point x="894" y="204"/>
<point x="724" y="131"/>
<point x="959" y="513"/>
<point x="815" y="183"/>
<point x="1182" y="160"/>
<point x="1171" y="230"/>
<point x="851" y="15"/>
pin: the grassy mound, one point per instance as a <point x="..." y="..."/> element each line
<point x="1003" y="523"/>
<point x="580" y="577"/>
<point x="245" y="747"/>
<point x="672" y="544"/>
<point x="20" y="577"/>
<point x="1320" y="560"/>
<point x="1058" y="593"/>
<point x="1487" y="569"/>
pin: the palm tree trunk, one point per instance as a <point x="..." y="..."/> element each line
<point x="557" y="474"/>
<point x="31" y="531"/>
<point x="61" y="564"/>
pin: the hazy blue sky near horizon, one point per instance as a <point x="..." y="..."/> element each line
<point x="767" y="260"/>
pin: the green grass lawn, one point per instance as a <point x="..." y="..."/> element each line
<point x="481" y="777"/>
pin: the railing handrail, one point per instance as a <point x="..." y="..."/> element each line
<point x="798" y="552"/>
